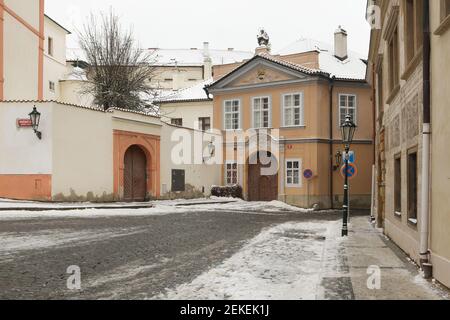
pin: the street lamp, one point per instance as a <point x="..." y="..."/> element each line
<point x="35" y="118"/>
<point x="348" y="129"/>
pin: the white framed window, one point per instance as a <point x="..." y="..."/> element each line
<point x="293" y="172"/>
<point x="347" y="105"/>
<point x="293" y="110"/>
<point x="261" y="112"/>
<point x="50" y="46"/>
<point x="231" y="173"/>
<point x="232" y="115"/>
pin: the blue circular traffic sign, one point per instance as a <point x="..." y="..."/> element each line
<point x="308" y="174"/>
<point x="352" y="171"/>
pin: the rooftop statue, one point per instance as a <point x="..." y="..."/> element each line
<point x="263" y="38"/>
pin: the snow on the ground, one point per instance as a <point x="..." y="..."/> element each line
<point x="13" y="243"/>
<point x="160" y="208"/>
<point x="282" y="262"/>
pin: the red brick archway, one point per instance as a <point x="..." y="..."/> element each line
<point x="150" y="144"/>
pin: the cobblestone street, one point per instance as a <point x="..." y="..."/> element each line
<point x="200" y="254"/>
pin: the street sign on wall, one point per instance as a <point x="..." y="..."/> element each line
<point x="24" y="123"/>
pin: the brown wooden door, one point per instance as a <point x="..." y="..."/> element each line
<point x="260" y="187"/>
<point x="135" y="175"/>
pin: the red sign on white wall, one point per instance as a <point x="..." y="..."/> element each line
<point x="24" y="123"/>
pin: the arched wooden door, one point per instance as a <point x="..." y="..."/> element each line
<point x="135" y="174"/>
<point x="262" y="187"/>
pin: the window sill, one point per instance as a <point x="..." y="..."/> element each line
<point x="412" y="222"/>
<point x="443" y="27"/>
<point x="393" y="94"/>
<point x="293" y="186"/>
<point x="293" y="127"/>
<point x="412" y="65"/>
<point x="398" y="214"/>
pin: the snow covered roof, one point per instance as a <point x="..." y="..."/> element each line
<point x="191" y="94"/>
<point x="353" y="68"/>
<point x="180" y="57"/>
<point x="196" y="57"/>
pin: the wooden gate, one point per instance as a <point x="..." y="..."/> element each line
<point x="135" y="175"/>
<point x="261" y="187"/>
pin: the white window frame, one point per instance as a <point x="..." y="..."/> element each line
<point x="355" y="120"/>
<point x="52" y="86"/>
<point x="269" y="124"/>
<point x="239" y="112"/>
<point x="226" y="173"/>
<point x="301" y="107"/>
<point x="300" y="166"/>
<point x="50" y="46"/>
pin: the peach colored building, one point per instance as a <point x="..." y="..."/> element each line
<point x="299" y="98"/>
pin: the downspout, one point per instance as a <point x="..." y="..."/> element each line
<point x="426" y="136"/>
<point x="331" y="89"/>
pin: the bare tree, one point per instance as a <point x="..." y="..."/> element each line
<point x="119" y="72"/>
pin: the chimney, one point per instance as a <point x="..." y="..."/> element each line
<point x="207" y="62"/>
<point x="340" y="44"/>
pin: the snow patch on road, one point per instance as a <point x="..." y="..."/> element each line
<point x="14" y="243"/>
<point x="280" y="263"/>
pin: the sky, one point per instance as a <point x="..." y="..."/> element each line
<point x="225" y="23"/>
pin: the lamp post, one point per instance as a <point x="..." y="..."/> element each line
<point x="348" y="129"/>
<point x="35" y="118"/>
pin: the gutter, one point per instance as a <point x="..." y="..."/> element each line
<point x="426" y="137"/>
<point x="331" y="89"/>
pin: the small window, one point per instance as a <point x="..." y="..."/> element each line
<point x="51" y="86"/>
<point x="168" y="79"/>
<point x="445" y="9"/>
<point x="413" y="28"/>
<point x="398" y="185"/>
<point x="232" y="115"/>
<point x="261" y="113"/>
<point x="231" y="173"/>
<point x="178" y="180"/>
<point x="347" y="105"/>
<point x="293" y="173"/>
<point x="293" y="111"/>
<point x="177" y="122"/>
<point x="412" y="187"/>
<point x="393" y="57"/>
<point x="204" y="124"/>
<point x="50" y="46"/>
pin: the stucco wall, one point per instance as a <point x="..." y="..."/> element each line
<point x="82" y="153"/>
<point x="197" y="175"/>
<point x="21" y="152"/>
<point x="189" y="112"/>
<point x="55" y="64"/>
<point x="20" y="60"/>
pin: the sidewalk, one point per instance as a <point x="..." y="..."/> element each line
<point x="349" y="263"/>
<point x="308" y="261"/>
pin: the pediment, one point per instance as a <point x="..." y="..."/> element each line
<point x="259" y="72"/>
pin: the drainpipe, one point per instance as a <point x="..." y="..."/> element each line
<point x="331" y="89"/>
<point x="426" y="136"/>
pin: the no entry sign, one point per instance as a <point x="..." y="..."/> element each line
<point x="352" y="171"/>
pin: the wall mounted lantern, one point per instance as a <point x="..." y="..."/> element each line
<point x="338" y="159"/>
<point x="35" y="118"/>
<point x="211" y="152"/>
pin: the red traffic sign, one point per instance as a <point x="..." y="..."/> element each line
<point x="308" y="174"/>
<point x="352" y="171"/>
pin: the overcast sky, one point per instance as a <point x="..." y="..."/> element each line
<point x="224" y="23"/>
